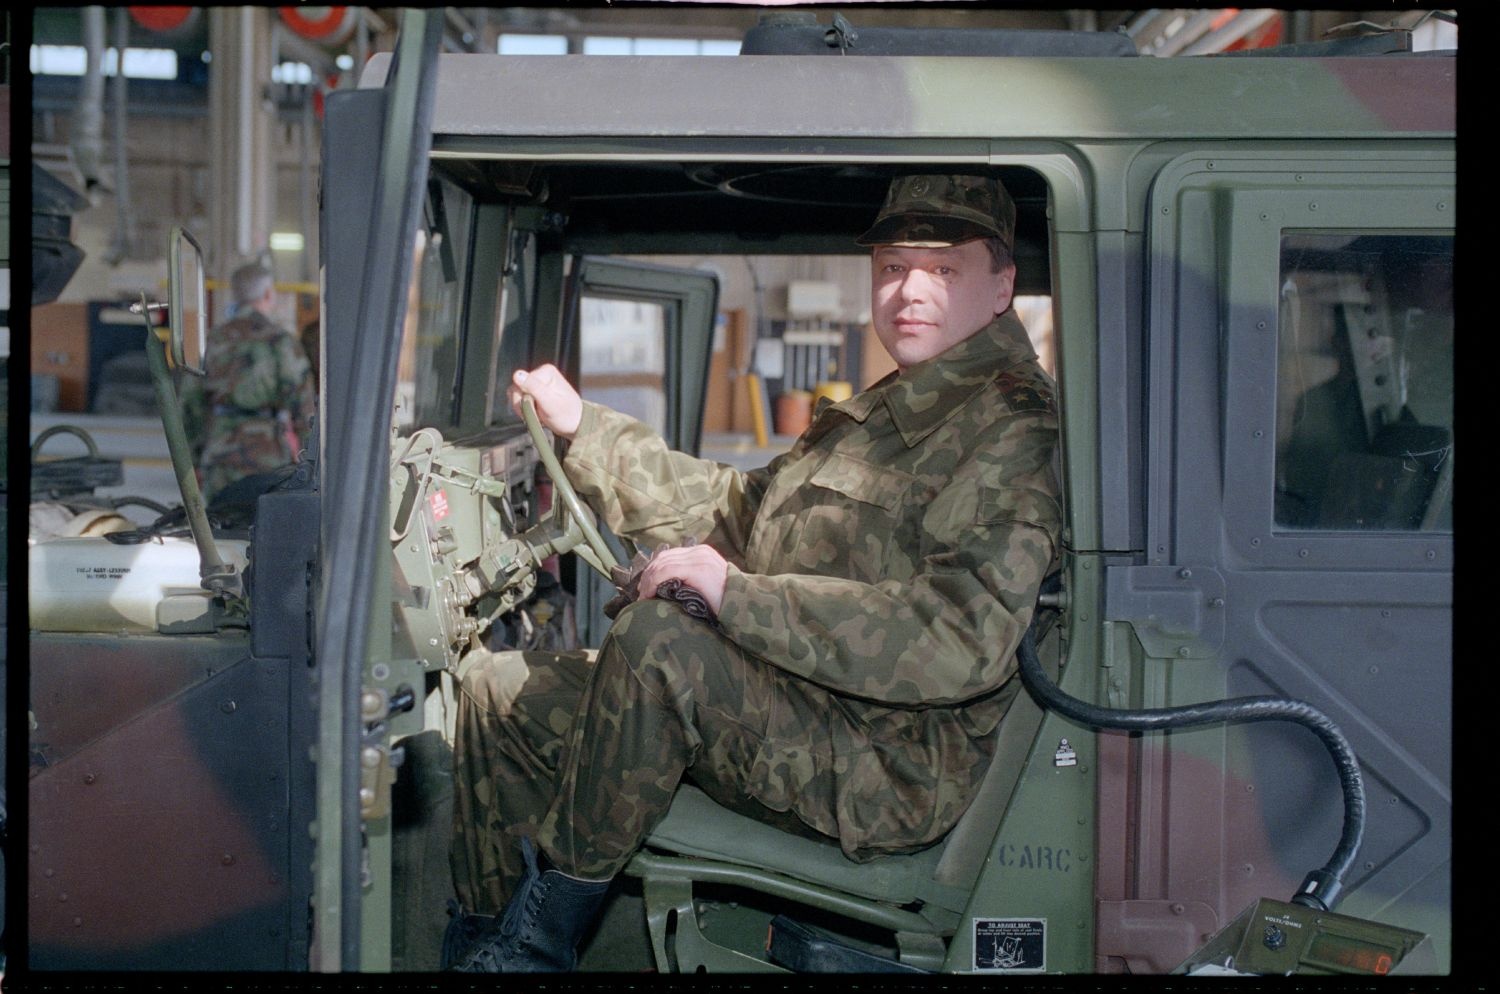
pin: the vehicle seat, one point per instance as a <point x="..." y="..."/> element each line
<point x="920" y="896"/>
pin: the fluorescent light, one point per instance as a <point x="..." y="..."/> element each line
<point x="291" y="72"/>
<point x="58" y="60"/>
<point x="72" y="60"/>
<point x="149" y="63"/>
<point x="286" y="241"/>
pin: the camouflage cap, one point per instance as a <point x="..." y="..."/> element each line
<point x="932" y="211"/>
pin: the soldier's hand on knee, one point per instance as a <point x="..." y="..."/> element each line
<point x="558" y="405"/>
<point x="697" y="566"/>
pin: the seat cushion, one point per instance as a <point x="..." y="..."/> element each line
<point x="697" y="826"/>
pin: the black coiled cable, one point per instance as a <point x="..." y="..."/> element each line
<point x="1321" y="888"/>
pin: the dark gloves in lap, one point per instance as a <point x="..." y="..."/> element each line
<point x="627" y="579"/>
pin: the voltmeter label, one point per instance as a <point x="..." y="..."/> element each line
<point x="1010" y="945"/>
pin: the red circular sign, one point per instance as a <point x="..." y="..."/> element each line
<point x="326" y="24"/>
<point x="166" y="19"/>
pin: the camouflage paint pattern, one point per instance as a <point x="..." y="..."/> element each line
<point x="881" y="574"/>
<point x="252" y="409"/>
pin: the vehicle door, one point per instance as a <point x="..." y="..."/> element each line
<point x="1299" y="541"/>
<point x="375" y="161"/>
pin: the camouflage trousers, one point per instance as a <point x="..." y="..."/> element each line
<point x="585" y="757"/>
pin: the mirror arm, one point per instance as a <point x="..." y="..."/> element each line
<point x="217" y="576"/>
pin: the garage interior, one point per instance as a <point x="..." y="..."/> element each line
<point x="212" y="119"/>
<point x="216" y="125"/>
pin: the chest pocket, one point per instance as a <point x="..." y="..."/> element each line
<point x="851" y="517"/>
<point x="862" y="482"/>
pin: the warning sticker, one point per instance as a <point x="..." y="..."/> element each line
<point x="1010" y="945"/>
<point x="439" y="505"/>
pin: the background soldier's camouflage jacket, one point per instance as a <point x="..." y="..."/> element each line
<point x="892" y="556"/>
<point x="257" y="396"/>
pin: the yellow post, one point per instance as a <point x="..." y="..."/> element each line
<point x="758" y="409"/>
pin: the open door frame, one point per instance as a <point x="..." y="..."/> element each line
<point x="367" y="248"/>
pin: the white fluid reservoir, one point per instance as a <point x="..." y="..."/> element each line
<point x="95" y="585"/>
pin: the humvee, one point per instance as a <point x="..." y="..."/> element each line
<point x="1249" y="268"/>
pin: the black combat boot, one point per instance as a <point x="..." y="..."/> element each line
<point x="463" y="928"/>
<point x="541" y="926"/>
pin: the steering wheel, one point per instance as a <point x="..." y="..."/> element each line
<point x="568" y="525"/>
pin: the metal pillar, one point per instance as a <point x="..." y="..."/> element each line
<point x="242" y="187"/>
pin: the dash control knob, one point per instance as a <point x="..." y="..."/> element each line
<point x="1274" y="937"/>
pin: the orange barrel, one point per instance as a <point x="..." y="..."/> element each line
<point x="793" y="412"/>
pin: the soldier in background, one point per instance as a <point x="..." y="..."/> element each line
<point x="251" y="412"/>
<point x="864" y="595"/>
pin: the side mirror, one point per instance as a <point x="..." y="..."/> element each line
<point x="185" y="301"/>
<point x="186" y="346"/>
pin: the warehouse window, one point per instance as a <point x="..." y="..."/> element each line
<point x="538" y="44"/>
<point x="622" y="361"/>
<point x="602" y="45"/>
<point x="513" y="44"/>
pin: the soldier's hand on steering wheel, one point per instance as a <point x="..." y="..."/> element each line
<point x="558" y="405"/>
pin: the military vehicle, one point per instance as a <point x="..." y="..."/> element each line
<point x="1249" y="263"/>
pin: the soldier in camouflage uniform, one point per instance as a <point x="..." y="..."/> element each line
<point x="252" y="410"/>
<point x="870" y="586"/>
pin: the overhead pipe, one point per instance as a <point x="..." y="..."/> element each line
<point x="1146" y="29"/>
<point x="124" y="236"/>
<point x="1242" y="24"/>
<point x="361" y="44"/>
<point x="377" y="24"/>
<point x="1301" y="27"/>
<point x="468" y="33"/>
<point x="294" y="47"/>
<point x="88" y="127"/>
<point x="1139" y="21"/>
<point x="246" y="98"/>
<point x="1083" y="20"/>
<point x="305" y="181"/>
<point x="486" y="41"/>
<point x="1196" y="27"/>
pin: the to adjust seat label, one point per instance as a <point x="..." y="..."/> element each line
<point x="1010" y="945"/>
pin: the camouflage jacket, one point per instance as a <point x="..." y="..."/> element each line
<point x="892" y="556"/>
<point x="252" y="410"/>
